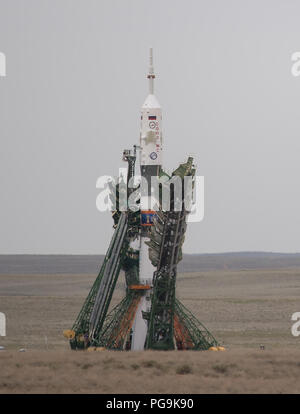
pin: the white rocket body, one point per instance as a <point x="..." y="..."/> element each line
<point x="151" y="161"/>
<point x="151" y="137"/>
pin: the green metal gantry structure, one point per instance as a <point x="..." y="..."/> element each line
<point x="170" y="324"/>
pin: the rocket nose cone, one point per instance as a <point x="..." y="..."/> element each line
<point x="151" y="102"/>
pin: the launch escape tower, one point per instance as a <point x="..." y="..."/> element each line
<point x="146" y="246"/>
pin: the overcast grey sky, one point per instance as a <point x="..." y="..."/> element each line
<point x="70" y="104"/>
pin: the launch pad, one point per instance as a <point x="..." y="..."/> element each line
<point x="147" y="246"/>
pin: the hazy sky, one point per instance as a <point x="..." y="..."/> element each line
<point x="70" y="104"/>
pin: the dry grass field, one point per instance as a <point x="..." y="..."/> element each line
<point x="242" y="308"/>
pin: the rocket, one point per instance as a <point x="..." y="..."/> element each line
<point x="150" y="164"/>
<point x="149" y="316"/>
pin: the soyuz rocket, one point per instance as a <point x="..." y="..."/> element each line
<point x="133" y="324"/>
<point x="150" y="164"/>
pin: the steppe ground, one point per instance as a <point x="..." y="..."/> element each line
<point x="242" y="308"/>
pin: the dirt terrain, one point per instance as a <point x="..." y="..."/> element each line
<point x="239" y="371"/>
<point x="243" y="309"/>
